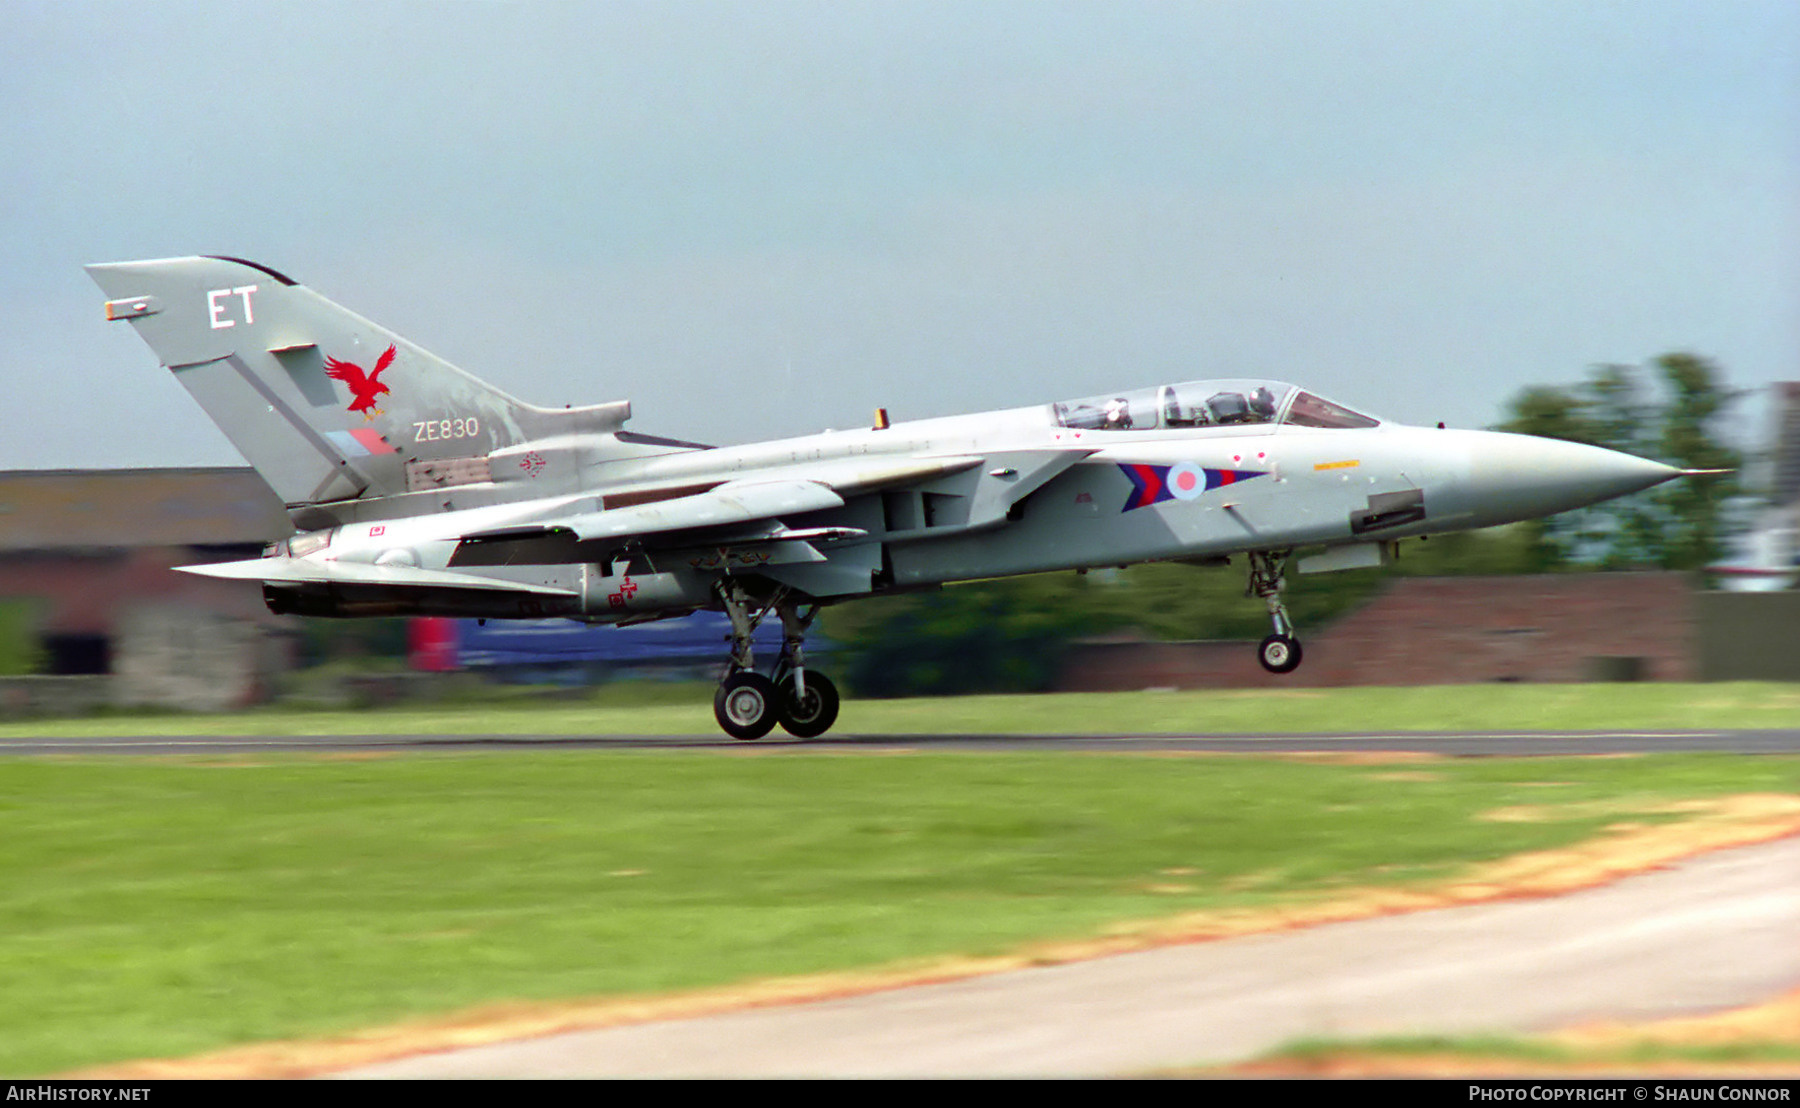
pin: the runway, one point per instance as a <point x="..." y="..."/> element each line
<point x="1716" y="931"/>
<point x="1446" y="743"/>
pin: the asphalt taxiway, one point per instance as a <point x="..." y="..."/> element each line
<point x="1446" y="743"/>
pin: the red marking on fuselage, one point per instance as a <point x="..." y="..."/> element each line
<point x="1153" y="484"/>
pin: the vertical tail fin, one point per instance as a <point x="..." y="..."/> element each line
<point x="324" y="404"/>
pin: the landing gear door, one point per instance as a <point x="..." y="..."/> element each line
<point x="1387" y="510"/>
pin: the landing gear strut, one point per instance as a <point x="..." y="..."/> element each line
<point x="1280" y="652"/>
<point x="749" y="705"/>
<point x="809" y="701"/>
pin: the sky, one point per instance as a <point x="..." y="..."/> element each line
<point x="768" y="217"/>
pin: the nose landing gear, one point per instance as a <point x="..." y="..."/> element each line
<point x="749" y="705"/>
<point x="1280" y="652"/>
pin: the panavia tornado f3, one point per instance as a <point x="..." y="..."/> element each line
<point x="416" y="489"/>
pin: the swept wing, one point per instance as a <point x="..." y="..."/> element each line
<point x="311" y="571"/>
<point x="732" y="503"/>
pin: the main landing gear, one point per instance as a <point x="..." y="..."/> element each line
<point x="749" y="705"/>
<point x="1280" y="652"/>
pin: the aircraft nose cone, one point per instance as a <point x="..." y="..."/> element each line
<point x="1514" y="477"/>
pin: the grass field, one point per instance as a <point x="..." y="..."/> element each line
<point x="658" y="709"/>
<point x="1433" y="1056"/>
<point x="164" y="907"/>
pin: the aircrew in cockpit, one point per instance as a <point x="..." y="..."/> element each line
<point x="1229" y="407"/>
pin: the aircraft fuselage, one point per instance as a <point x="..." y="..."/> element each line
<point x="418" y="489"/>
<point x="1025" y="497"/>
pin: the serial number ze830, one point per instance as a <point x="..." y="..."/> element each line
<point x="433" y="430"/>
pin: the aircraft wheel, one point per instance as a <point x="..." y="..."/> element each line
<point x="1279" y="654"/>
<point x="814" y="714"/>
<point x="746" y="705"/>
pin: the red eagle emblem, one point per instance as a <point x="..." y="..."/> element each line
<point x="363" y="388"/>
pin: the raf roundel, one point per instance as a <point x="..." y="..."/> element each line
<point x="1186" y="481"/>
<point x="1152" y="484"/>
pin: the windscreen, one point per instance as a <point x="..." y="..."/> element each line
<point x="1308" y="410"/>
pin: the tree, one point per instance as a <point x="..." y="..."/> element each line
<point x="21" y="649"/>
<point x="1678" y="525"/>
<point x="985" y="636"/>
<point x="1695" y="506"/>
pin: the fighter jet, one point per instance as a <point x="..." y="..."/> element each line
<point x="416" y="489"/>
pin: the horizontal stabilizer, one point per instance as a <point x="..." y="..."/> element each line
<point x="306" y="571"/>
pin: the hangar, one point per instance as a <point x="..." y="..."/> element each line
<point x="85" y="559"/>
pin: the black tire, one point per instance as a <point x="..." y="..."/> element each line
<point x="1279" y="654"/>
<point x="746" y="705"/>
<point x="814" y="716"/>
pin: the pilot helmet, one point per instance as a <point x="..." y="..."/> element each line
<point x="1228" y="407"/>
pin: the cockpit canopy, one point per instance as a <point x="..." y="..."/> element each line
<point x="1206" y="404"/>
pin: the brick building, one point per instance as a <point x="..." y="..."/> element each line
<point x="1450" y="630"/>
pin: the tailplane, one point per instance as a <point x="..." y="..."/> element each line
<point x="325" y="405"/>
